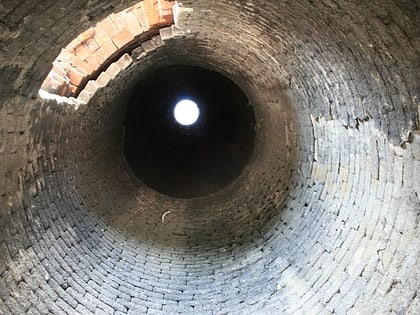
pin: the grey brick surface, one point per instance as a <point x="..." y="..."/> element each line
<point x="324" y="220"/>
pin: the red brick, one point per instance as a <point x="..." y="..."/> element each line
<point x="101" y="37"/>
<point x="167" y="18"/>
<point x="73" y="44"/>
<point x="86" y="53"/>
<point x="74" y="60"/>
<point x="54" y="85"/>
<point x="67" y="90"/>
<point x="141" y="17"/>
<point x="106" y="51"/>
<point x="85" y="67"/>
<point x="133" y="25"/>
<point x="94" y="60"/>
<point x="158" y="12"/>
<point x="76" y="75"/>
<point x="86" y="35"/>
<point x="81" y="52"/>
<point x="99" y="58"/>
<point x="118" y="20"/>
<point x="54" y="75"/>
<point x="91" y="44"/>
<point x="65" y="56"/>
<point x="151" y="11"/>
<point x="123" y="39"/>
<point x="73" y="89"/>
<point x="59" y="68"/>
<point x="108" y="26"/>
<point x="166" y="11"/>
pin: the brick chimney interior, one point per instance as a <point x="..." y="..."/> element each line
<point x="296" y="192"/>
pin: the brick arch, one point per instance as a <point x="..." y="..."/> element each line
<point x="101" y="51"/>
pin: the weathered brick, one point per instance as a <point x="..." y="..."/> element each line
<point x="108" y="27"/>
<point x="151" y="12"/>
<point x="91" y="44"/>
<point x="290" y="235"/>
<point x="101" y="37"/>
<point x="94" y="61"/>
<point x="157" y="41"/>
<point x="103" y="79"/>
<point x="86" y="35"/>
<point x="81" y="52"/>
<point x="77" y="76"/>
<point x="133" y="25"/>
<point x="113" y="70"/>
<point x="84" y="96"/>
<point x="124" y="61"/>
<point x="166" y="33"/>
<point x="140" y="16"/>
<point x="123" y="38"/>
<point x="106" y="51"/>
<point x="148" y="46"/>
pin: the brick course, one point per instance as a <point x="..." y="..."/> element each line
<point x="326" y="219"/>
<point x="91" y="51"/>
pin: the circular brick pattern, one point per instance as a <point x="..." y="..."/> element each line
<point x="324" y="219"/>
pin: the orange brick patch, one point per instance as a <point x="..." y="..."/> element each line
<point x="91" y="44"/>
<point x="124" y="38"/>
<point x="166" y="11"/>
<point x="93" y="50"/>
<point x="86" y="35"/>
<point x="76" y="75"/>
<point x="133" y="24"/>
<point x="81" y="52"/>
<point x="108" y="26"/>
<point x="107" y="50"/>
<point x="157" y="12"/>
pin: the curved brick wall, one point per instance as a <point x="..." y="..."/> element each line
<point x="324" y="219"/>
<point x="94" y="49"/>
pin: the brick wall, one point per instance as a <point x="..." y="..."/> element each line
<point x="92" y="51"/>
<point x="324" y="220"/>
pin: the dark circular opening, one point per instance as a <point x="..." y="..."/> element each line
<point x="194" y="160"/>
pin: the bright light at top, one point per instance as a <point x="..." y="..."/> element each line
<point x="186" y="112"/>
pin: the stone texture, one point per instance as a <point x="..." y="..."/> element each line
<point x="325" y="219"/>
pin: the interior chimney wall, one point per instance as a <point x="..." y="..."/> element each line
<point x="323" y="220"/>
